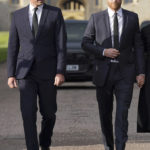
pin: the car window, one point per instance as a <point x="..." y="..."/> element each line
<point x="75" y="31"/>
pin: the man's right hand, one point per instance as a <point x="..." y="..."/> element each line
<point x="12" y="83"/>
<point x="111" y="53"/>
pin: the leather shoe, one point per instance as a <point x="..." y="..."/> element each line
<point x="45" y="148"/>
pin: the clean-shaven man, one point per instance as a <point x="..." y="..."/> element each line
<point x="113" y="36"/>
<point x="36" y="58"/>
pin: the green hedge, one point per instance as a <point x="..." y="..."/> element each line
<point x="3" y="46"/>
<point x="3" y="54"/>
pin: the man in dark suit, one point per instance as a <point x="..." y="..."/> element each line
<point x="143" y="120"/>
<point x="36" y="58"/>
<point x="113" y="36"/>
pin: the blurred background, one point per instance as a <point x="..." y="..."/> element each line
<point x="77" y="124"/>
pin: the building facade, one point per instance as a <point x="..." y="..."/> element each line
<point x="73" y="9"/>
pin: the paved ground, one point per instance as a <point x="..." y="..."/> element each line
<point x="77" y="125"/>
<point x="130" y="146"/>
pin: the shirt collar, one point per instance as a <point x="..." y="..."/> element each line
<point x="112" y="12"/>
<point x="31" y="7"/>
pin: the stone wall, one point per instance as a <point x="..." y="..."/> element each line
<point x="4" y="16"/>
<point x="142" y="7"/>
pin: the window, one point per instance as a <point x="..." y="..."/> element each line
<point x="15" y="1"/>
<point x="48" y="1"/>
<point x="75" y="30"/>
<point x="73" y="5"/>
<point x="97" y="2"/>
<point x="128" y="1"/>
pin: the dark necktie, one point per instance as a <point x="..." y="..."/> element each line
<point x="116" y="32"/>
<point x="35" y="23"/>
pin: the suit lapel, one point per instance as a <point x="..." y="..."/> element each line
<point x="27" y="22"/>
<point x="42" y="20"/>
<point x="107" y="25"/>
<point x="125" y="23"/>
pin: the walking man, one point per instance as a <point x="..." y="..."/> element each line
<point x="113" y="36"/>
<point x="36" y="58"/>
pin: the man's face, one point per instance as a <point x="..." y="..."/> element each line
<point x="114" y="4"/>
<point x="37" y="2"/>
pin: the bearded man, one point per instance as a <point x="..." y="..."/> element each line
<point x="113" y="36"/>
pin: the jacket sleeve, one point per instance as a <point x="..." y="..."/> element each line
<point x="139" y="49"/>
<point x="61" y="39"/>
<point x="13" y="49"/>
<point x="88" y="41"/>
<point x="145" y="32"/>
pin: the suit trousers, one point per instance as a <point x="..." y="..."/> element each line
<point x="30" y="88"/>
<point x="118" y="86"/>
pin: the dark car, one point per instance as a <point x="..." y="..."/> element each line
<point x="79" y="64"/>
<point x="145" y="23"/>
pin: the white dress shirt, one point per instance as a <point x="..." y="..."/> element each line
<point x="111" y="14"/>
<point x="38" y="12"/>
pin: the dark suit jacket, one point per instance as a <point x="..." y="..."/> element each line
<point x="97" y="37"/>
<point x="143" y="121"/>
<point x="48" y="49"/>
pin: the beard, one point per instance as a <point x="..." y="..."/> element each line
<point x="39" y="2"/>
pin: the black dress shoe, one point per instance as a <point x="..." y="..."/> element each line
<point x="45" y="148"/>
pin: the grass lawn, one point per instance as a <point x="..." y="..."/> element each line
<point x="3" y="45"/>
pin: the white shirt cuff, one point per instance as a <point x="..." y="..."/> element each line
<point x="103" y="52"/>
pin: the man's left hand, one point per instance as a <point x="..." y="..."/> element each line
<point x="59" y="79"/>
<point x="140" y="80"/>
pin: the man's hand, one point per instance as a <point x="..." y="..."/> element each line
<point x="12" y="83"/>
<point x="111" y="53"/>
<point x="140" y="80"/>
<point x="59" y="79"/>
